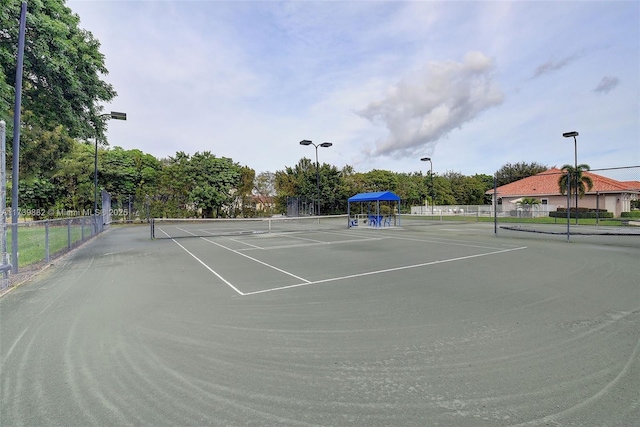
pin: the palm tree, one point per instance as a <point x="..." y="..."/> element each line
<point x="527" y="202"/>
<point x="579" y="182"/>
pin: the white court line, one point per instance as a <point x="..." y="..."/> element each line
<point x="387" y="270"/>
<point x="308" y="282"/>
<point x="307" y="245"/>
<point x="243" y="243"/>
<point x="256" y="260"/>
<point x="307" y="239"/>
<point x="205" y="265"/>
<point x="444" y="241"/>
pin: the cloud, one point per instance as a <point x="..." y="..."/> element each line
<point x="607" y="84"/>
<point x="551" y="66"/>
<point x="424" y="107"/>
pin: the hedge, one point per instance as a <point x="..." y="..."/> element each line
<point x="572" y="214"/>
<point x="632" y="214"/>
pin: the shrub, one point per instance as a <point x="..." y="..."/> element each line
<point x="582" y="213"/>
<point x="632" y="214"/>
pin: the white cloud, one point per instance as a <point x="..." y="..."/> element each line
<point x="385" y="82"/>
<point x="425" y="106"/>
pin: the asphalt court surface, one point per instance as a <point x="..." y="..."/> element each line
<point x="445" y="324"/>
<point x="268" y="262"/>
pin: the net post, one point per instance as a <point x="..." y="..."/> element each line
<point x="151" y="227"/>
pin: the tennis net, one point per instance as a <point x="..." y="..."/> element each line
<point x="171" y="228"/>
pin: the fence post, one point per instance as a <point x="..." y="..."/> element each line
<point x="69" y="234"/>
<point x="568" y="202"/>
<point x="4" y="262"/>
<point x="495" y="204"/>
<point x="46" y="241"/>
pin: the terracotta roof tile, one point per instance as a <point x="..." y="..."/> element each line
<point x="546" y="183"/>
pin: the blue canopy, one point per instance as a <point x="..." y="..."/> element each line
<point x="378" y="196"/>
<point x="375" y="218"/>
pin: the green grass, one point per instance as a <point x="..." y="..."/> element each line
<point x="31" y="241"/>
<point x="540" y="220"/>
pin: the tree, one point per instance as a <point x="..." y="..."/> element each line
<point x="128" y="175"/>
<point x="442" y="187"/>
<point x="579" y="181"/>
<point x="62" y="93"/>
<point x="469" y="190"/>
<point x="526" y="203"/>
<point x="62" y="68"/>
<point x="265" y="184"/>
<point x="171" y="196"/>
<point x="74" y="176"/>
<point x="412" y="188"/>
<point x="38" y="197"/>
<point x="331" y="201"/>
<point x="514" y="172"/>
<point x="300" y="182"/>
<point x="380" y="180"/>
<point x="245" y="190"/>
<point x="214" y="180"/>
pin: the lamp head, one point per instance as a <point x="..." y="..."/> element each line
<point x="116" y="115"/>
<point x="305" y="142"/>
<point x="326" y="144"/>
<point x="426" y="159"/>
<point x="570" y="134"/>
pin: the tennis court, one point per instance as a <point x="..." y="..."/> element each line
<point x="254" y="257"/>
<point x="441" y="324"/>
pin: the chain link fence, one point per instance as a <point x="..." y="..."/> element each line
<point x="300" y="206"/>
<point x="40" y="242"/>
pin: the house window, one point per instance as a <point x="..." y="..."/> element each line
<point x="544" y="201"/>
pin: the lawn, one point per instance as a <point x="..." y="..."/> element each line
<point x="539" y="220"/>
<point x="32" y="240"/>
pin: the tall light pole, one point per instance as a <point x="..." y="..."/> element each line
<point x="324" y="145"/>
<point x="115" y="115"/>
<point x="575" y="151"/>
<point x="428" y="159"/>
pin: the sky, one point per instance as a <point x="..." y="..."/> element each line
<point x="473" y="85"/>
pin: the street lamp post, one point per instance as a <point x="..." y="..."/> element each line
<point x="115" y="115"/>
<point x="324" y="145"/>
<point x="575" y="153"/>
<point x="428" y="159"/>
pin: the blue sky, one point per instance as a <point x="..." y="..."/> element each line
<point x="473" y="85"/>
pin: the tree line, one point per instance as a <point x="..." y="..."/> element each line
<point x="204" y="185"/>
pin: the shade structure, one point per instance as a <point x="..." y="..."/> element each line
<point x="377" y="197"/>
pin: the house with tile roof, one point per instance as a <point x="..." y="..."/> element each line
<point x="262" y="203"/>
<point x="606" y="193"/>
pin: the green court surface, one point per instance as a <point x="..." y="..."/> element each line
<point x="443" y="324"/>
